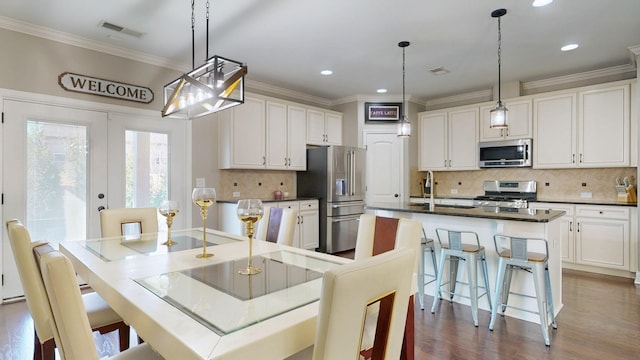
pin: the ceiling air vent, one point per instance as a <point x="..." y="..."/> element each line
<point x="439" y="71"/>
<point x="120" y="29"/>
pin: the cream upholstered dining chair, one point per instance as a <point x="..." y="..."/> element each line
<point x="377" y="235"/>
<point x="277" y="225"/>
<point x="114" y="221"/>
<point x="70" y="324"/>
<point x="348" y="290"/>
<point x="101" y="317"/>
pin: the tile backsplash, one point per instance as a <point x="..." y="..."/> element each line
<point x="258" y="184"/>
<point x="558" y="184"/>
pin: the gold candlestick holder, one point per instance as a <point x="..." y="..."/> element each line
<point x="250" y="212"/>
<point x="204" y="198"/>
<point x="169" y="209"/>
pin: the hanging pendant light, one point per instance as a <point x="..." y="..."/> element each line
<point x="216" y="85"/>
<point x="500" y="115"/>
<point x="404" y="126"/>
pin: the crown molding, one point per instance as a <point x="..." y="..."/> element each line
<point x="65" y="38"/>
<point x="471" y="96"/>
<point x="635" y="52"/>
<point x="587" y="75"/>
<point x="371" y="98"/>
<point x="276" y="90"/>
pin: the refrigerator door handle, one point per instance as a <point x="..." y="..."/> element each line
<point x="352" y="173"/>
<point x="337" y="206"/>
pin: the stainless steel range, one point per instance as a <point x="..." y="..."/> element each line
<point x="507" y="194"/>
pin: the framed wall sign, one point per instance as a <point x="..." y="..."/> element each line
<point x="377" y="113"/>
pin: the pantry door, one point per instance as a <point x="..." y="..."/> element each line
<point x="61" y="165"/>
<point x="384" y="167"/>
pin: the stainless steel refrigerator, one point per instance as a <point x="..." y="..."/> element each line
<point x="335" y="175"/>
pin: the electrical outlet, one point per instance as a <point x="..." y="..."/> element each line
<point x="585" y="195"/>
<point x="236" y="194"/>
<point x="454" y="191"/>
<point x="200" y="182"/>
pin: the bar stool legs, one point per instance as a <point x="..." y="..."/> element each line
<point x="536" y="264"/>
<point x="455" y="251"/>
<point x="428" y="245"/>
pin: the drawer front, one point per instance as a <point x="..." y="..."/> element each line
<point x="309" y="205"/>
<point x="603" y="212"/>
<point x="553" y="206"/>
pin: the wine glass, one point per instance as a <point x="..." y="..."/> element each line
<point x="250" y="212"/>
<point x="169" y="209"/>
<point x="204" y="197"/>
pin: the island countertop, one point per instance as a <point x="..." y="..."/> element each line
<point x="529" y="215"/>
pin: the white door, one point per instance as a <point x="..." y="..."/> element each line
<point x="61" y="165"/>
<point x="384" y="167"/>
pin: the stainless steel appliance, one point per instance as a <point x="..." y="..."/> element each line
<point x="505" y="153"/>
<point x="335" y="175"/>
<point x="507" y="194"/>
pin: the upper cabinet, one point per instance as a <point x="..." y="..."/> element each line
<point x="449" y="140"/>
<point x="285" y="145"/>
<point x="520" y="120"/>
<point x="241" y="136"/>
<point x="590" y="128"/>
<point x="324" y="128"/>
<point x="267" y="133"/>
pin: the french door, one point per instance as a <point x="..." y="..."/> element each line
<point x="61" y="165"/>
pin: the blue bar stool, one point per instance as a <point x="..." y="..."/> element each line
<point x="465" y="246"/>
<point x="424" y="279"/>
<point x="514" y="254"/>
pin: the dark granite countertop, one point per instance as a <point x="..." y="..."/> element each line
<point x="235" y="200"/>
<point x="555" y="201"/>
<point x="530" y="215"/>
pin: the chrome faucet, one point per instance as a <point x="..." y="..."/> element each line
<point x="432" y="206"/>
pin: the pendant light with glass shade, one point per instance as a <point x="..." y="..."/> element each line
<point x="499" y="116"/>
<point x="404" y="126"/>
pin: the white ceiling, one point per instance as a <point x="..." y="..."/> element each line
<point x="286" y="43"/>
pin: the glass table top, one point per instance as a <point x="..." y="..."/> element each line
<point x="124" y="247"/>
<point x="223" y="300"/>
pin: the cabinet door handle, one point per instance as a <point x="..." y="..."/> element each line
<point x="301" y="219"/>
<point x="285" y="161"/>
<point x="580" y="158"/>
<point x="570" y="225"/>
<point x="578" y="227"/>
<point x="573" y="158"/>
<point x="264" y="160"/>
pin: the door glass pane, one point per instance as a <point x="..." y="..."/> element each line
<point x="147" y="169"/>
<point x="56" y="181"/>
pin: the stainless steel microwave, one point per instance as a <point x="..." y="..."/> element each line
<point x="505" y="153"/>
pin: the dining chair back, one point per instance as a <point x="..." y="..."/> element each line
<point x="347" y="292"/>
<point x="377" y="235"/>
<point x="69" y="322"/>
<point x="277" y="225"/>
<point x="115" y="222"/>
<point x="103" y="318"/>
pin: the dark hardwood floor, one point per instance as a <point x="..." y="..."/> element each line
<point x="600" y="320"/>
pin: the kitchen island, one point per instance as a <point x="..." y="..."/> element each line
<point x="486" y="222"/>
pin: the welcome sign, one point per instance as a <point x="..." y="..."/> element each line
<point x="90" y="85"/>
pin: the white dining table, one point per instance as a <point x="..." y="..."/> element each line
<point x="202" y="308"/>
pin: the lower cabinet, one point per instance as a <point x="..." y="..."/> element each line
<point x="595" y="235"/>
<point x="306" y="235"/>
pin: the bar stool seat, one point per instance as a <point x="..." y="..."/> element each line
<point x="465" y="246"/>
<point x="514" y="254"/>
<point x="427" y="246"/>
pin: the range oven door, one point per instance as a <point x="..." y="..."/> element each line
<point x="342" y="232"/>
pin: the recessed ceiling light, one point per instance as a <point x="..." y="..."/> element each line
<point x="569" y="47"/>
<point x="540" y="3"/>
<point x="381" y="91"/>
<point x="326" y="72"/>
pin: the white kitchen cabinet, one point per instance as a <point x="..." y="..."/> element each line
<point x="567" y="231"/>
<point x="520" y="120"/>
<point x="323" y="127"/>
<point x="603" y="130"/>
<point x="307" y="232"/>
<point x="590" y="128"/>
<point x="449" y="140"/>
<point x="241" y="136"/>
<point x="594" y="236"/>
<point x="309" y="225"/>
<point x="602" y="236"/>
<point x="554" y="131"/>
<point x="285" y="131"/>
